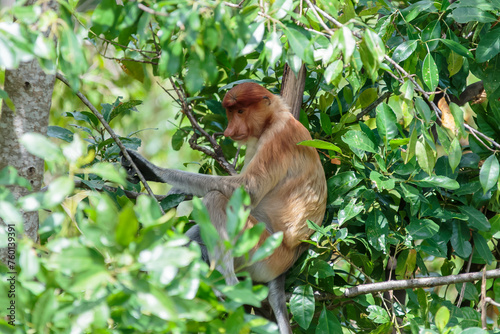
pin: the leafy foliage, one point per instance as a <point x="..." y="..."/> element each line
<point x="408" y="183"/>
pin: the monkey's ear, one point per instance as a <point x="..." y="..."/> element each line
<point x="268" y="99"/>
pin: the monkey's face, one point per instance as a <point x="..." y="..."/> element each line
<point x="247" y="109"/>
<point x="238" y="127"/>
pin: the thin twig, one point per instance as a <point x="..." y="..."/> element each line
<point x="129" y="59"/>
<point x="373" y="105"/>
<point x="462" y="291"/>
<point x="488" y="300"/>
<point x="217" y="153"/>
<point x="321" y="22"/>
<point x="113" y="135"/>
<point x="151" y="11"/>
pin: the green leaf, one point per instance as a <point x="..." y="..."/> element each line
<point x="71" y="54"/>
<point x="341" y="183"/>
<point x="383" y="182"/>
<point x="386" y="123"/>
<point x="423" y="109"/>
<point x="477" y="219"/>
<point x="441" y="318"/>
<point x="328" y="323"/>
<point x="302" y="305"/>
<point x="242" y="293"/>
<point x="268" y="246"/>
<point x="256" y="30"/>
<point x="194" y="76"/>
<point x="299" y="40"/>
<point x="179" y="137"/>
<point x="438" y="181"/>
<point x="347" y="41"/>
<point x="208" y="232"/>
<point x="349" y="211"/>
<point x="378" y="314"/>
<point x="4" y="97"/>
<point x="321" y="144"/>
<point x="481" y="247"/>
<point x="157" y="302"/>
<point x="273" y="48"/>
<point x="431" y="34"/>
<point x="460" y="239"/>
<point x="171" y="59"/>
<point x="172" y="201"/>
<point x="248" y="239"/>
<point x="9" y="213"/>
<point x="76" y="258"/>
<point x="147" y="211"/>
<point x="468" y="14"/>
<point x="456" y="47"/>
<point x="423" y="302"/>
<point x="426" y="157"/>
<point x="42" y="147"/>
<point x="422" y="228"/>
<point x="455" y="154"/>
<point x="127" y="226"/>
<point x="404" y="50"/>
<point x="108" y="172"/>
<point x="237" y="212"/>
<point x="333" y="72"/>
<point x="430" y="72"/>
<point x="489" y="173"/>
<point x="59" y="132"/>
<point x="44" y="309"/>
<point x="326" y="124"/>
<point x="57" y="191"/>
<point x="358" y="140"/>
<point x="321" y="269"/>
<point x="29" y="262"/>
<point x="372" y="52"/>
<point x="9" y="176"/>
<point x="215" y="107"/>
<point x="377" y="229"/>
<point x="489" y="46"/>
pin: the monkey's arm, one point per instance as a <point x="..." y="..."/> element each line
<point x="189" y="183"/>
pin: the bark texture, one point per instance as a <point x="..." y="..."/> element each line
<point x="30" y="90"/>
<point x="292" y="89"/>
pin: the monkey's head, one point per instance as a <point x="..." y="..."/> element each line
<point x="249" y="110"/>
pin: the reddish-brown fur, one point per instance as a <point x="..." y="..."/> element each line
<point x="286" y="181"/>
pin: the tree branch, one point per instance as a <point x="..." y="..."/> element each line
<point x="373" y="105"/>
<point x="112" y="134"/>
<point x="424" y="282"/>
<point x="217" y="153"/>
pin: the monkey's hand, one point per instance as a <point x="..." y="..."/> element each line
<point x="146" y="168"/>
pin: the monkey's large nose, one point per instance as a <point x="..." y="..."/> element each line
<point x="229" y="132"/>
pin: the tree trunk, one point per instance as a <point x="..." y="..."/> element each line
<point x="30" y="90"/>
<point x="292" y="89"/>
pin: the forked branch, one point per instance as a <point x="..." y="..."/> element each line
<point x="112" y="134"/>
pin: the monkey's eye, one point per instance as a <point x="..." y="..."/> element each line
<point x="240" y="111"/>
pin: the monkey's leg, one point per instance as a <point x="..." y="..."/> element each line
<point x="194" y="234"/>
<point x="277" y="300"/>
<point x="216" y="204"/>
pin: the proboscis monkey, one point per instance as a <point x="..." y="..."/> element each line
<point x="285" y="181"/>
